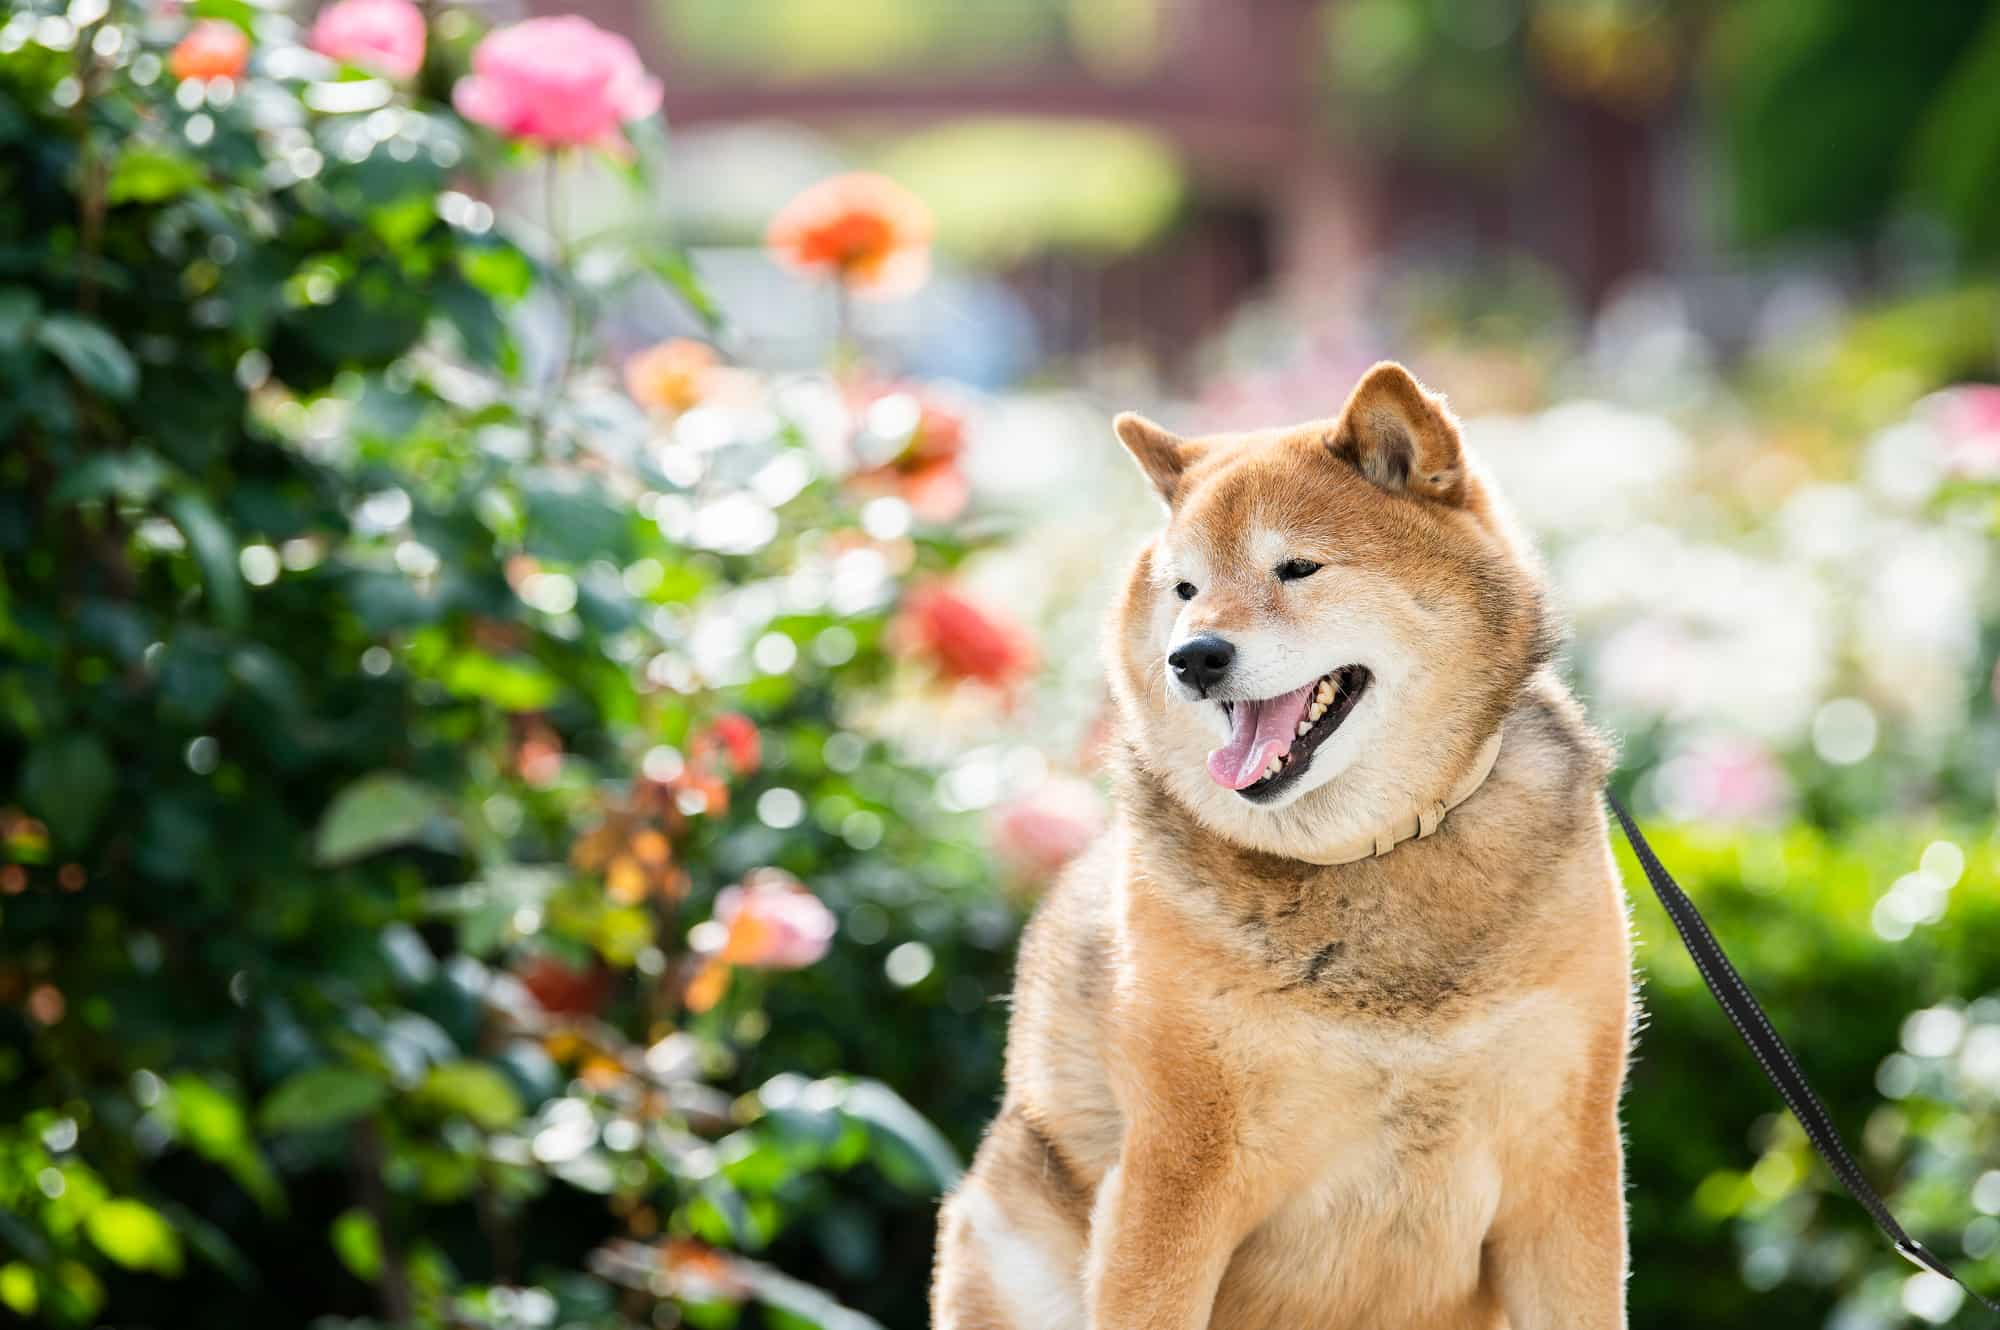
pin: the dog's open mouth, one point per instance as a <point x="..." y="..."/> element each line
<point x="1273" y="739"/>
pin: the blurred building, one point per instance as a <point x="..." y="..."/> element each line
<point x="1307" y="141"/>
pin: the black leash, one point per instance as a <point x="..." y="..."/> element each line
<point x="1779" y="1065"/>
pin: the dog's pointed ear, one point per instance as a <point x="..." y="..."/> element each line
<point x="1402" y="437"/>
<point x="1160" y="453"/>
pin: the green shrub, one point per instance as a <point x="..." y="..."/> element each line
<point x="1734" y="1222"/>
<point x="375" y="697"/>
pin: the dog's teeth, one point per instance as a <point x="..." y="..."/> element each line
<point x="1314" y="712"/>
<point x="1304" y="728"/>
<point x="1324" y="693"/>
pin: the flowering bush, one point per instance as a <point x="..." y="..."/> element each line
<point x="442" y="875"/>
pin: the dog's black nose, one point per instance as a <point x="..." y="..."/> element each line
<point x="1200" y="662"/>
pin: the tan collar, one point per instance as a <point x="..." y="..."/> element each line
<point x="1418" y="823"/>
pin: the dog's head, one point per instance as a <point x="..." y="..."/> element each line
<point x="1335" y="618"/>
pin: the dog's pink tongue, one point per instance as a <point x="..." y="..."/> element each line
<point x="1261" y="731"/>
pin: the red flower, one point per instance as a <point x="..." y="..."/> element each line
<point x="962" y="640"/>
<point x="924" y="472"/>
<point x="212" y="49"/>
<point x="864" y="230"/>
<point x="562" y="991"/>
<point x="735" y="736"/>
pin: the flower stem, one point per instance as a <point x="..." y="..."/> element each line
<point x="562" y="282"/>
<point x="846" y="344"/>
<point x="369" y="1160"/>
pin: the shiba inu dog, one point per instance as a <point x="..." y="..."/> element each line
<point x="1328" y="1031"/>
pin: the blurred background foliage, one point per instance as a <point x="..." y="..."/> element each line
<point x="543" y="665"/>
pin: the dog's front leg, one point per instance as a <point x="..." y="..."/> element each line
<point x="1557" y="1250"/>
<point x="1166" y="1223"/>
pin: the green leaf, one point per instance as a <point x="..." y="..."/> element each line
<point x="99" y="360"/>
<point x="571" y="519"/>
<point x="132" y="474"/>
<point x="19" y="308"/>
<point x="321" y="1097"/>
<point x="66" y="781"/>
<point x="676" y="269"/>
<point x="511" y="685"/>
<point x="797" y="1303"/>
<point x="17" y="1288"/>
<point x="133" y="1234"/>
<point x="240" y="12"/>
<point x="908" y="1137"/>
<point x="472" y="312"/>
<point x="475" y="1090"/>
<point x="215" y="552"/>
<point x="214" y="1123"/>
<point x="148" y="175"/>
<point x="399" y="223"/>
<point x="358" y="1245"/>
<point x="77" y="1285"/>
<point x="211" y="1244"/>
<point x="498" y="269"/>
<point x="374" y="813"/>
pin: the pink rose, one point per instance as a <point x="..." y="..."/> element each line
<point x="559" y="82"/>
<point x="1969" y="418"/>
<point x="1724" y="779"/>
<point x="773" y="922"/>
<point x="1044" y="830"/>
<point x="382" y="36"/>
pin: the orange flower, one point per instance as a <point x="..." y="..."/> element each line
<point x="864" y="230"/>
<point x="671" y="376"/>
<point x="961" y="639"/>
<point x="701" y="1273"/>
<point x="212" y="49"/>
<point x="710" y="982"/>
<point x="634" y="855"/>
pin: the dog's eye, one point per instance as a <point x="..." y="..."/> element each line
<point x="1291" y="570"/>
<point x="1185" y="590"/>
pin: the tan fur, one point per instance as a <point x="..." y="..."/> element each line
<point x="1250" y="1093"/>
